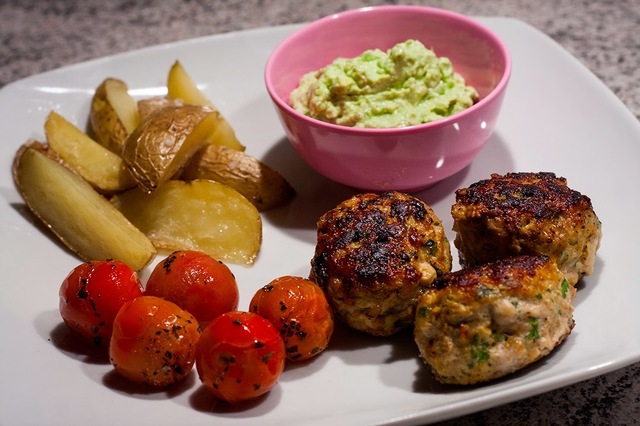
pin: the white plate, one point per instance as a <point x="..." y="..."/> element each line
<point x="557" y="117"/>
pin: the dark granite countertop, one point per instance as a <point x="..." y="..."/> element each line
<point x="39" y="35"/>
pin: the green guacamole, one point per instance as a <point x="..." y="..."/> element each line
<point x="404" y="86"/>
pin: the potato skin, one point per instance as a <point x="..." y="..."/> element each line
<point x="148" y="106"/>
<point x="263" y="186"/>
<point x="112" y="123"/>
<point x="160" y="145"/>
<point x="181" y="87"/>
<point x="79" y="216"/>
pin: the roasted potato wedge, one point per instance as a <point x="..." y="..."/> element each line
<point x="150" y="105"/>
<point x="103" y="169"/>
<point x="86" y="222"/>
<point x="198" y="215"/>
<point x="264" y="187"/>
<point x="163" y="143"/>
<point x="113" y="115"/>
<point x="224" y="135"/>
<point x="181" y="86"/>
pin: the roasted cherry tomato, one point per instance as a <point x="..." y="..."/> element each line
<point x="197" y="283"/>
<point x="92" y="294"/>
<point x="154" y="341"/>
<point x="240" y="356"/>
<point x="298" y="308"/>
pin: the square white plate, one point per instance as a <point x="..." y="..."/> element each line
<point x="556" y="117"/>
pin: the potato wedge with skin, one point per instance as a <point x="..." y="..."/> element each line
<point x="181" y="86"/>
<point x="86" y="222"/>
<point x="224" y="135"/>
<point x="198" y="215"/>
<point x="150" y="105"/>
<point x="113" y="115"/>
<point x="163" y="143"/>
<point x="103" y="169"/>
<point x="264" y="187"/>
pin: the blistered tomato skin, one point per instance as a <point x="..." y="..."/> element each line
<point x="240" y="356"/>
<point x="197" y="283"/>
<point x="298" y="308"/>
<point x="153" y="342"/>
<point x="92" y="294"/>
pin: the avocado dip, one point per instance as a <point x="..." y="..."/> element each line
<point x="405" y="86"/>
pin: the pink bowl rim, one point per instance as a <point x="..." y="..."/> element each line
<point x="490" y="34"/>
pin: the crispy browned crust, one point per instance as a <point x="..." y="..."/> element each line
<point x="542" y="196"/>
<point x="526" y="213"/>
<point x="519" y="275"/>
<point x="374" y="252"/>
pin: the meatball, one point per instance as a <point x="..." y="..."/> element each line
<point x="526" y="213"/>
<point x="481" y="323"/>
<point x="375" y="253"/>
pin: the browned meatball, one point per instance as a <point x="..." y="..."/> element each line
<point x="482" y="323"/>
<point x="374" y="254"/>
<point x="526" y="213"/>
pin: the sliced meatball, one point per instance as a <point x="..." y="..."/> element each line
<point x="481" y="323"/>
<point x="526" y="213"/>
<point x="374" y="254"/>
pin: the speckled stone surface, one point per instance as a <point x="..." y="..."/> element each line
<point x="39" y="35"/>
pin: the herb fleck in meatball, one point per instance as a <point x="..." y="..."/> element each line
<point x="526" y="213"/>
<point x="482" y="323"/>
<point x="375" y="253"/>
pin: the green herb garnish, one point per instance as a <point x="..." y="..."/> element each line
<point x="534" y="333"/>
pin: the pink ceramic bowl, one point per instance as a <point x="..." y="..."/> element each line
<point x="404" y="159"/>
